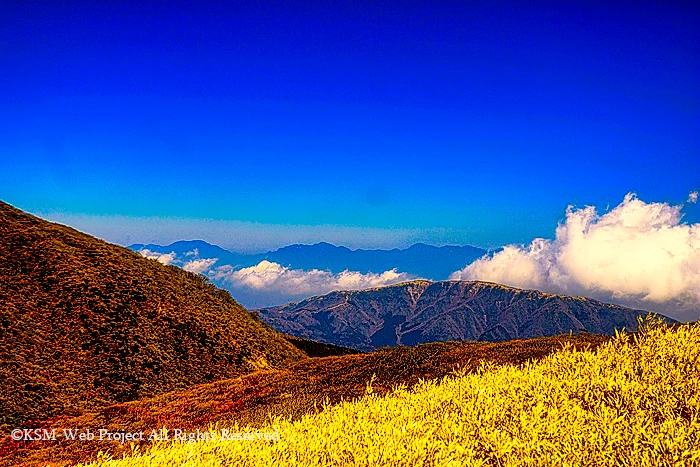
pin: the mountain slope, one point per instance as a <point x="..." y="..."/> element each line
<point x="421" y="311"/>
<point x="630" y="402"/>
<point x="84" y="323"/>
<point x="303" y="388"/>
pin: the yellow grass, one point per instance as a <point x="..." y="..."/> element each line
<point x="634" y="401"/>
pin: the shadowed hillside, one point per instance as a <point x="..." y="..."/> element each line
<point x="84" y="324"/>
<point x="420" y="311"/>
<point x="319" y="349"/>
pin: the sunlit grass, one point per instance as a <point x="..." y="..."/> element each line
<point x="633" y="401"/>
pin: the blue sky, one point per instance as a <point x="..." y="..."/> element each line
<point x="355" y="123"/>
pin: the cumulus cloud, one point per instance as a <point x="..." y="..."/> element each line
<point x="163" y="258"/>
<point x="199" y="265"/>
<point x="693" y="197"/>
<point x="268" y="276"/>
<point x="638" y="254"/>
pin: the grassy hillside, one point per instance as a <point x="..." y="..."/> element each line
<point x="635" y="401"/>
<point x="293" y="392"/>
<point x="85" y="324"/>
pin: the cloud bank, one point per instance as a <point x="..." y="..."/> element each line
<point x="268" y="283"/>
<point x="163" y="258"/>
<point x="638" y="254"/>
<point x="199" y="266"/>
<point x="268" y="276"/>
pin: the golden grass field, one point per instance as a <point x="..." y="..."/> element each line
<point x="634" y="401"/>
<point x="293" y="392"/>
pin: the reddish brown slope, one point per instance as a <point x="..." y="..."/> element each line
<point x="84" y="324"/>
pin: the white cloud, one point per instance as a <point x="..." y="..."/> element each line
<point x="638" y="254"/>
<point x="163" y="258"/>
<point x="268" y="276"/>
<point x="199" y="265"/>
<point x="693" y="197"/>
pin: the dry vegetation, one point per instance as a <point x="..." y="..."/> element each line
<point x="291" y="393"/>
<point x="635" y="401"/>
<point x="85" y="324"/>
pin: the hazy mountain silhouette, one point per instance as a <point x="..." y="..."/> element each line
<point x="421" y="260"/>
<point x="184" y="250"/>
<point x="418" y="261"/>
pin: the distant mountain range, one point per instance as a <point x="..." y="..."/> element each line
<point x="419" y="261"/>
<point x="422" y="311"/>
<point x="426" y="261"/>
<point x="184" y="250"/>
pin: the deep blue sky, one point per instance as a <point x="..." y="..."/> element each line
<point x="479" y="123"/>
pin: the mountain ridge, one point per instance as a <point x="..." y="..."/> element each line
<point x="422" y="311"/>
<point x="419" y="259"/>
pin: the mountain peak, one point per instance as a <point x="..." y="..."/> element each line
<point x="422" y="311"/>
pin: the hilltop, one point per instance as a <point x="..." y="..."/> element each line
<point x="421" y="311"/>
<point x="85" y="324"/>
